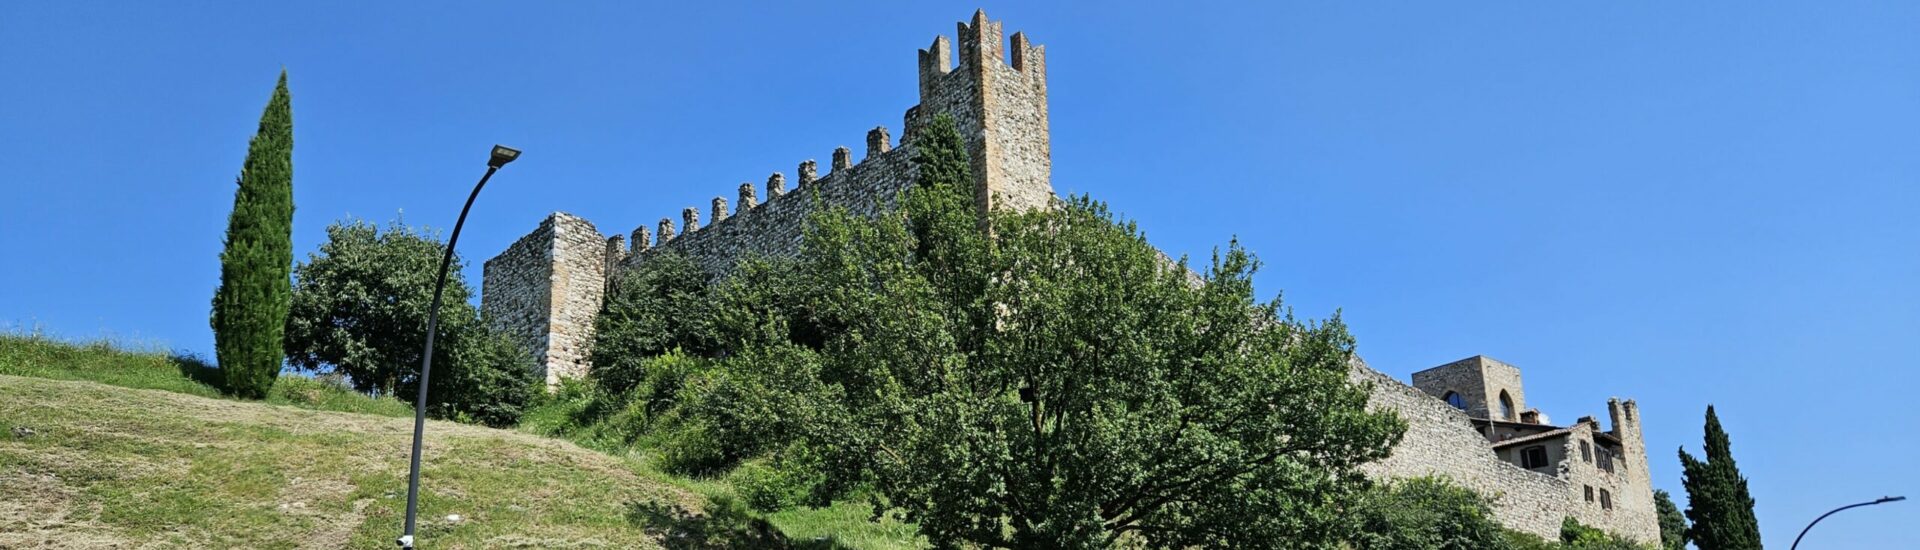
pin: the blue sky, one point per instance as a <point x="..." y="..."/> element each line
<point x="1682" y="203"/>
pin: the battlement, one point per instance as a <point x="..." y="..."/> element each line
<point x="999" y="107"/>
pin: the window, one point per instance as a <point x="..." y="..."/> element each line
<point x="1606" y="459"/>
<point x="1606" y="500"/>
<point x="1506" y="406"/>
<point x="1589" y="493"/>
<point x="1533" y="457"/>
<point x="1453" y="398"/>
<point x="1586" y="451"/>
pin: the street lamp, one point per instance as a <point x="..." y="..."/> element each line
<point x="1803" y="532"/>
<point x="501" y="156"/>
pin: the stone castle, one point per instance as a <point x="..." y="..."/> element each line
<point x="1467" y="420"/>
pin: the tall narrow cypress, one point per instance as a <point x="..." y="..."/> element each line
<point x="1717" y="498"/>
<point x="250" y="307"/>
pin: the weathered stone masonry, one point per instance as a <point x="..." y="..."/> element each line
<point x="546" y="288"/>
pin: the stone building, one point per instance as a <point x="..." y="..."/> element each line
<point x="546" y="288"/>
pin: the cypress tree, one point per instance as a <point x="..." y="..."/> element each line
<point x="1673" y="526"/>
<point x="1717" y="499"/>
<point x="250" y="307"/>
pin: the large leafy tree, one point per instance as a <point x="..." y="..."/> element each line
<point x="1047" y="379"/>
<point x="250" y="306"/>
<point x="360" y="309"/>
<point x="1717" y="498"/>
<point x="1673" y="525"/>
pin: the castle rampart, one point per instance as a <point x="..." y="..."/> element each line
<point x="546" y="289"/>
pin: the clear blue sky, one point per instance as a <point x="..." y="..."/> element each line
<point x="1684" y="203"/>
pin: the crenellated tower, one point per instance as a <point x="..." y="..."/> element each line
<point x="1000" y="106"/>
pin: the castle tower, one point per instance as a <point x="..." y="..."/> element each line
<point x="545" y="289"/>
<point x="1636" y="488"/>
<point x="1479" y="385"/>
<point x="1000" y="106"/>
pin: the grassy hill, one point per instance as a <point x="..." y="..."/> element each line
<point x="153" y="458"/>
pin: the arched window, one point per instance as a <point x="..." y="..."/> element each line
<point x="1453" y="398"/>
<point x="1506" y="406"/>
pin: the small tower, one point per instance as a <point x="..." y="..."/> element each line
<point x="1480" y="385"/>
<point x="1000" y="108"/>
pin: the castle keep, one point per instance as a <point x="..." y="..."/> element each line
<point x="1467" y="420"/>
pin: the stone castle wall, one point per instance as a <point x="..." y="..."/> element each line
<point x="1441" y="441"/>
<point x="545" y="291"/>
<point x="547" y="287"/>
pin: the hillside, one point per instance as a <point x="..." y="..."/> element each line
<point x="86" y="465"/>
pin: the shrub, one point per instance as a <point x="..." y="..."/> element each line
<point x="1426" y="513"/>
<point x="690" y="449"/>
<point x="1576" y="536"/>
<point x="659" y="306"/>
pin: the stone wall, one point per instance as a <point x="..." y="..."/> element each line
<point x="1631" y="481"/>
<point x="516" y="288"/>
<point x="1441" y="441"/>
<point x="545" y="291"/>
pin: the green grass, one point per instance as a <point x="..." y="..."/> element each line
<point x="152" y="367"/>
<point x="576" y="413"/>
<point x="110" y="465"/>
<point x="106" y="466"/>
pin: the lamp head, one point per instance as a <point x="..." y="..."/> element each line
<point x="1889" y="499"/>
<point x="502" y="155"/>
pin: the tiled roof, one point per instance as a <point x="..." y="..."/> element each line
<point x="1534" y="437"/>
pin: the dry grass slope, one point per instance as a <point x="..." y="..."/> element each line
<point x="111" y="467"/>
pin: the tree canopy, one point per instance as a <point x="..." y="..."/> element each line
<point x="1040" y="379"/>
<point x="360" y="309"/>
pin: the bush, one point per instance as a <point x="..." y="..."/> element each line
<point x="1575" y="536"/>
<point x="490" y="381"/>
<point x="578" y="411"/>
<point x="1426" y="513"/>
<point x="753" y="403"/>
<point x="690" y="449"/>
<point x="763" y="488"/>
<point x="659" y="306"/>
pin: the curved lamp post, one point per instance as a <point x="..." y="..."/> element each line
<point x="1803" y="532"/>
<point x="501" y="156"/>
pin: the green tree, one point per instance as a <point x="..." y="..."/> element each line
<point x="250" y="306"/>
<point x="661" y="305"/>
<point x="1425" y="514"/>
<point x="1054" y="382"/>
<point x="1673" y="525"/>
<point x="360" y="309"/>
<point x="1717" y="500"/>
